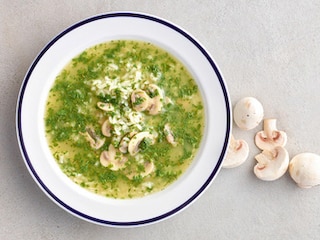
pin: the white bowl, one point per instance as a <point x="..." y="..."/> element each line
<point x="30" y="120"/>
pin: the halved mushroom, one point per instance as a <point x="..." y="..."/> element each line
<point x="112" y="159"/>
<point x="237" y="153"/>
<point x="169" y="135"/>
<point x="304" y="169"/>
<point x="106" y="128"/>
<point x="94" y="140"/>
<point x="133" y="146"/>
<point x="270" y="137"/>
<point x="107" y="107"/>
<point x="156" y="97"/>
<point x="140" y="100"/>
<point x="248" y="113"/>
<point x="272" y="164"/>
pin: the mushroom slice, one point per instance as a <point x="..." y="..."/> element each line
<point x="140" y="100"/>
<point x="123" y="145"/>
<point x="149" y="167"/>
<point x="248" y="113"/>
<point x="155" y="106"/>
<point x="133" y="146"/>
<point x="107" y="157"/>
<point x="237" y="153"/>
<point x="156" y="97"/>
<point x="112" y="159"/>
<point x="272" y="164"/>
<point x="106" y="128"/>
<point x="154" y="91"/>
<point x="304" y="169"/>
<point x="270" y="137"/>
<point x="94" y="140"/>
<point x="107" y="107"/>
<point x="169" y="135"/>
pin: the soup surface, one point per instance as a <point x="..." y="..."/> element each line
<point x="124" y="119"/>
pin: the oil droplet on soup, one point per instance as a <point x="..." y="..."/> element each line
<point x="124" y="119"/>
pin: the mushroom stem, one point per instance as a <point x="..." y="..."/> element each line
<point x="269" y="126"/>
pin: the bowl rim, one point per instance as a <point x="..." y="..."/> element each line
<point x="24" y="150"/>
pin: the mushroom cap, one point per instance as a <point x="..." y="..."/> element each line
<point x="271" y="164"/>
<point x="237" y="153"/>
<point x="248" y="113"/>
<point x="270" y="137"/>
<point x="304" y="169"/>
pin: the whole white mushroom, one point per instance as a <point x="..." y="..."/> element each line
<point x="248" y="113"/>
<point x="304" y="169"/>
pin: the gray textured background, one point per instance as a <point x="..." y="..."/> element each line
<point x="266" y="49"/>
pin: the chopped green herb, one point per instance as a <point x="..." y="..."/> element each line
<point x="108" y="73"/>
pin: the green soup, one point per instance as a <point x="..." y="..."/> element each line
<point x="124" y="119"/>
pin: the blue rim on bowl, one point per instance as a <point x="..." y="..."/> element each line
<point x="24" y="136"/>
